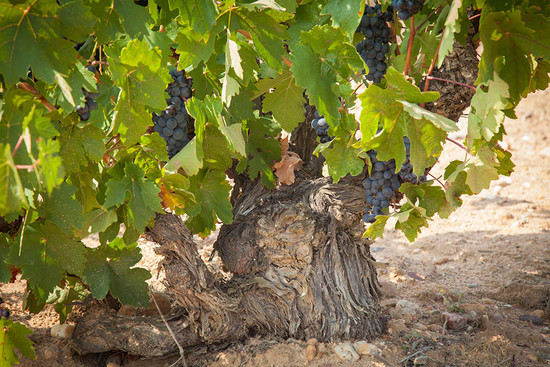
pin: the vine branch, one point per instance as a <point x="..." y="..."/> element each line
<point x="409" y="47"/>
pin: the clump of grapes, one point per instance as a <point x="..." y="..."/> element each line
<point x="171" y="124"/>
<point x="321" y="128"/>
<point x="374" y="47"/>
<point x="406" y="8"/>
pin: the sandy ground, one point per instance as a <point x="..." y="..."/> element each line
<point x="483" y="270"/>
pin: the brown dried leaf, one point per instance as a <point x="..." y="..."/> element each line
<point x="290" y="162"/>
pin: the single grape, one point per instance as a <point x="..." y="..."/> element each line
<point x="167" y="132"/>
<point x="5" y="313"/>
<point x="171" y="123"/>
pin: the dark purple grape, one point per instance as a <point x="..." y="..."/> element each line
<point x="167" y="132"/>
<point x="5" y="313"/>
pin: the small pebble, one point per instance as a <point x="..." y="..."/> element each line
<point x="64" y="331"/>
<point x="473" y="285"/>
<point x="498" y="318"/>
<point x="367" y="349"/>
<point x="311" y="352"/>
<point x="346" y="352"/>
<point x="421" y="361"/>
<point x="538" y="313"/>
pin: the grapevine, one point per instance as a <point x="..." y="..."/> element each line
<point x="90" y="143"/>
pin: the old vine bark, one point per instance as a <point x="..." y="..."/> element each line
<point x="301" y="269"/>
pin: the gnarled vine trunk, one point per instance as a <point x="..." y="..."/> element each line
<point x="301" y="269"/>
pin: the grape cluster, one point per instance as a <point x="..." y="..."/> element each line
<point x="321" y="128"/>
<point x="382" y="183"/>
<point x="380" y="187"/>
<point x="171" y="124"/>
<point x="90" y="104"/>
<point x="374" y="47"/>
<point x="4" y="312"/>
<point x="406" y="8"/>
<point x="406" y="173"/>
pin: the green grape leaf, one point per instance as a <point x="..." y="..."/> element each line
<point x="62" y="209"/>
<point x="13" y="337"/>
<point x="410" y="220"/>
<point x="286" y="101"/>
<point x="98" y="220"/>
<point x="345" y="14"/>
<point x="452" y="26"/>
<point x="453" y="191"/>
<point x="323" y="55"/>
<point x="46" y="254"/>
<point x="430" y="198"/>
<point x="110" y="268"/>
<point x="142" y="79"/>
<point x="211" y="190"/>
<point x="232" y="57"/>
<point x="342" y="159"/>
<point x="426" y="144"/>
<point x="78" y="142"/>
<point x="32" y="36"/>
<point x="481" y="170"/>
<point x="439" y="121"/>
<point x="188" y="158"/>
<point x="63" y="297"/>
<point x="142" y="194"/>
<point x="193" y="47"/>
<point x="507" y="44"/>
<point x="376" y="229"/>
<point x="392" y="108"/>
<point x="486" y="115"/>
<point x="265" y="31"/>
<point x="262" y="150"/>
<point x="199" y="15"/>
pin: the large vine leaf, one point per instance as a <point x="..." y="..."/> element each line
<point x="211" y="191"/>
<point x="345" y="14"/>
<point x="32" y="36"/>
<point x="284" y="98"/>
<point x="46" y="254"/>
<point x="140" y="193"/>
<point x="13" y="337"/>
<point x="199" y="15"/>
<point x="318" y="61"/>
<point x="138" y="72"/>
<point x="110" y="268"/>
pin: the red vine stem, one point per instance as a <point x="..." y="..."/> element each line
<point x="474" y="16"/>
<point x="409" y="47"/>
<point x="17" y="146"/>
<point x="428" y="17"/>
<point x="432" y="66"/>
<point x="437" y="179"/>
<point x="451" y="81"/>
<point x="28" y="167"/>
<point x="29" y="88"/>
<point x="458" y="145"/>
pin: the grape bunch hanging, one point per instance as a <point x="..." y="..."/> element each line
<point x="171" y="124"/>
<point x="383" y="183"/>
<point x="84" y="112"/>
<point x="374" y="47"/>
<point x="406" y="8"/>
<point x="321" y="128"/>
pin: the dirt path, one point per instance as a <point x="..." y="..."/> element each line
<point x="487" y="266"/>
